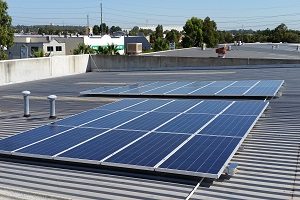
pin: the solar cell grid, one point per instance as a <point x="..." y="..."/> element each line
<point x="103" y="145"/>
<point x="148" y="121"/>
<point x="123" y="104"/>
<point x="207" y="90"/>
<point x="149" y="105"/>
<point x="234" y="126"/>
<point x="210" y="107"/>
<point x="205" y="154"/>
<point x="244" y="108"/>
<point x="238" y="91"/>
<point x="29" y="137"/>
<point x="149" y="150"/>
<point x="178" y="106"/>
<point x="84" y="117"/>
<point x="69" y="138"/>
<point x="186" y="123"/>
<point x="245" y="83"/>
<point x="113" y="120"/>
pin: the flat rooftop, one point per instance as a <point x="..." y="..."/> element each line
<point x="268" y="163"/>
<point x="255" y="50"/>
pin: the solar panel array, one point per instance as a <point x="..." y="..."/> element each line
<point x="190" y="137"/>
<point x="249" y="88"/>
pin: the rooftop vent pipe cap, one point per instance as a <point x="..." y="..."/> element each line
<point x="26" y="93"/>
<point x="52" y="97"/>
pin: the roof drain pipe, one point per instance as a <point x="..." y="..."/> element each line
<point x="26" y="103"/>
<point x="52" y="99"/>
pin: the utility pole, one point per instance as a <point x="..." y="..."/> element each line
<point x="88" y="24"/>
<point x="101" y="25"/>
<point x="243" y="34"/>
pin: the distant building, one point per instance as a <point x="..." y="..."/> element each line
<point x="70" y="42"/>
<point x="105" y="40"/>
<point x="24" y="47"/>
<point x="138" y="39"/>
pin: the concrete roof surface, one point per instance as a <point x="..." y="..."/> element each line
<point x="268" y="164"/>
<point x="245" y="51"/>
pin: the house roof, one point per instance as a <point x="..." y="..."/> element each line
<point x="268" y="163"/>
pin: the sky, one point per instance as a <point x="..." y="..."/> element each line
<point x="230" y="14"/>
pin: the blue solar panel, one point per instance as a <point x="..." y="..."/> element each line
<point x="265" y="87"/>
<point x="62" y="142"/>
<point x="210" y="107"/>
<point x="103" y="145"/>
<point x="202" y="154"/>
<point x="159" y="90"/>
<point x="207" y="90"/>
<point x="117" y="90"/>
<point x="248" y="88"/>
<point x="149" y="121"/>
<point x="113" y="120"/>
<point x="245" y="83"/>
<point x="246" y="108"/>
<point x="184" y="84"/>
<point x="180" y="91"/>
<point x="83" y="117"/>
<point x="29" y="137"/>
<point x="267" y="91"/>
<point x="186" y="123"/>
<point x="137" y="90"/>
<point x="233" y="91"/>
<point x="221" y="84"/>
<point x="178" y="106"/>
<point x="122" y="104"/>
<point x="229" y="125"/>
<point x="145" y="134"/>
<point x="149" y="150"/>
<point x="149" y="105"/>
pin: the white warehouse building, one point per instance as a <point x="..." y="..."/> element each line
<point x="25" y="45"/>
<point x="96" y="41"/>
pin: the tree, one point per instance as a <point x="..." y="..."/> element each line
<point x="145" y="32"/>
<point x="134" y="31"/>
<point x="39" y="53"/>
<point x="279" y="34"/>
<point x="104" y="29"/>
<point x="210" y="34"/>
<point x="193" y="35"/>
<point x="96" y="30"/>
<point x="159" y="31"/>
<point x="108" y="50"/>
<point x="160" y="44"/>
<point x="173" y="36"/>
<point x="83" y="49"/>
<point x="6" y="30"/>
<point x="114" y="29"/>
<point x="228" y="37"/>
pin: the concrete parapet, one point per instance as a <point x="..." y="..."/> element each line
<point x="22" y="70"/>
<point x="135" y="63"/>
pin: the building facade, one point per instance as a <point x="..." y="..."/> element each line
<point x="25" y="47"/>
